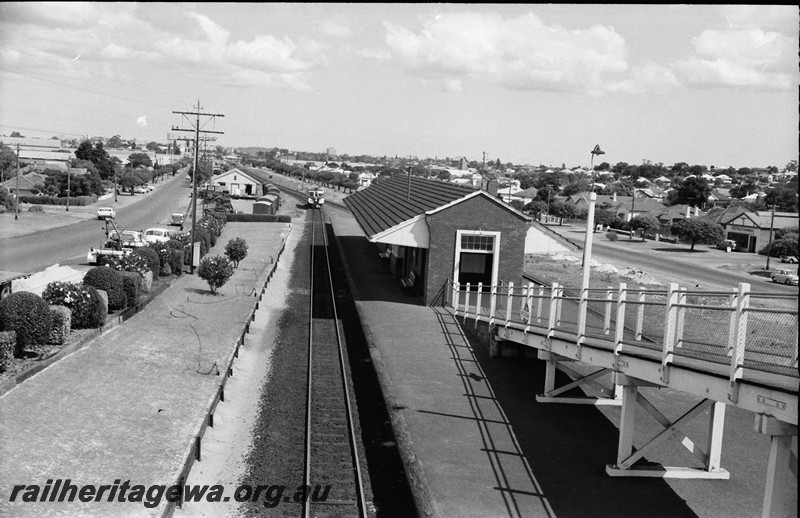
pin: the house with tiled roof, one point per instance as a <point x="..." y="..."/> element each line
<point x="28" y="185"/>
<point x="431" y="232"/>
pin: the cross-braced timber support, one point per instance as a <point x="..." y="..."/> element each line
<point x="552" y="394"/>
<point x="708" y="455"/>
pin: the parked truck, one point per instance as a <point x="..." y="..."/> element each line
<point x="119" y="242"/>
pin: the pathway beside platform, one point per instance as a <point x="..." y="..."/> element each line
<point x="127" y="407"/>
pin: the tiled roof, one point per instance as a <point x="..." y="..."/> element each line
<point x="386" y="204"/>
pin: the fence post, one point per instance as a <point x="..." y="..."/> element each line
<point x="732" y="301"/>
<point x="607" y="319"/>
<point x="640" y="316"/>
<point x="492" y="303"/>
<point x="582" y="305"/>
<point x="551" y="320"/>
<point x="670" y="323"/>
<point x="510" y="302"/>
<point x="539" y="305"/>
<point x="681" y="317"/>
<point x="559" y="303"/>
<point x="619" y="336"/>
<point x="737" y="356"/>
<point x="478" y="302"/>
<point x="456" y="302"/>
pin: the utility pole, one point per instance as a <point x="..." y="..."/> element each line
<point x="16" y="194"/>
<point x="68" y="186"/>
<point x="771" y="227"/>
<point x="196" y="128"/>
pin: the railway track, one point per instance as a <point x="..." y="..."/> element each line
<point x="331" y="448"/>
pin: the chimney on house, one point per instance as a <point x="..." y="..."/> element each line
<point x="614" y="197"/>
<point x="687" y="212"/>
<point x="491" y="187"/>
<point x="696" y="211"/>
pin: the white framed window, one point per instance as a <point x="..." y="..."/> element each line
<point x="471" y="248"/>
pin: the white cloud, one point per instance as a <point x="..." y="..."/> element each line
<point x="520" y="53"/>
<point x="266" y="53"/>
<point x="745" y="58"/>
<point x="373" y="53"/>
<point x="142" y="121"/>
<point x="648" y="79"/>
<point x="335" y="28"/>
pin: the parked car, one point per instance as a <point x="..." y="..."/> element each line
<point x="106" y="213"/>
<point x="129" y="239"/>
<point x="176" y="219"/>
<point x="156" y="235"/>
<point x="789" y="259"/>
<point x="140" y="189"/>
<point x="784" y="277"/>
<point x="728" y="243"/>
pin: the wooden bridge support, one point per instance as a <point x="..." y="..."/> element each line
<point x="709" y="455"/>
<point x="555" y="362"/>
<point x="779" y="495"/>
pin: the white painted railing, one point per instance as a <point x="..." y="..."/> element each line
<point x="737" y="328"/>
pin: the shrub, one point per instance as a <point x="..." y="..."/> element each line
<point x="61" y="324"/>
<point x="174" y="244"/>
<point x="110" y="281"/>
<point x="612" y="235"/>
<point x="35" y="208"/>
<point x="7" y="341"/>
<point x="166" y="270"/>
<point x="236" y="250"/>
<point x="163" y="254"/>
<point x="215" y="271"/>
<point x="75" y="297"/>
<point x="131" y="284"/>
<point x="29" y="315"/>
<point x="129" y="263"/>
<point x="146" y="282"/>
<point x="150" y="256"/>
<point x="176" y="261"/>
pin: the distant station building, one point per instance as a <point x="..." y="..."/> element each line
<point x="432" y="231"/>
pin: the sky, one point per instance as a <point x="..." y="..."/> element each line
<point x="523" y="83"/>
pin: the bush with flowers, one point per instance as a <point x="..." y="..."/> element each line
<point x="82" y="300"/>
<point x="236" y="250"/>
<point x="215" y="271"/>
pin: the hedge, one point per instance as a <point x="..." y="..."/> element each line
<point x="29" y="315"/>
<point x="149" y="255"/>
<point x="258" y="218"/>
<point x="78" y="201"/>
<point x="61" y="324"/>
<point x="176" y="261"/>
<point x="7" y="341"/>
<point x="132" y="285"/>
<point x="109" y="280"/>
<point x="88" y="310"/>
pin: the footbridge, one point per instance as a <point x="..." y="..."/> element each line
<point x="736" y="348"/>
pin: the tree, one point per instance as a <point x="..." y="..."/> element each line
<point x="236" y="250"/>
<point x="604" y="217"/>
<point x="115" y="142"/>
<point x="16" y="134"/>
<point x="8" y="160"/>
<point x="646" y="222"/>
<point x="140" y="159"/>
<point x="98" y="156"/>
<point x="783" y="198"/>
<point x="698" y="231"/>
<point x="693" y="191"/>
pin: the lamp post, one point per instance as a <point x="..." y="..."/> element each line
<point x="587" y="247"/>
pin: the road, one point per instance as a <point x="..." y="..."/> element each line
<point x="69" y="244"/>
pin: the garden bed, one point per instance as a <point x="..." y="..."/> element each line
<point x="22" y="368"/>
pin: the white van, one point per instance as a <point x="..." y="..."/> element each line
<point x="156" y="235"/>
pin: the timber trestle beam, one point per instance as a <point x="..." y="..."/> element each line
<point x="554" y="362"/>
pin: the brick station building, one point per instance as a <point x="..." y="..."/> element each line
<point x="432" y="231"/>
